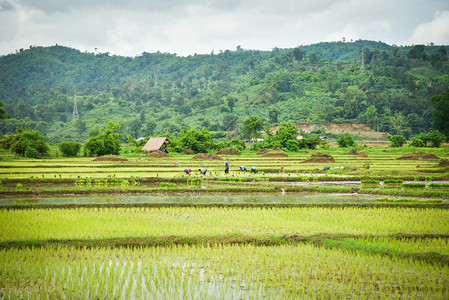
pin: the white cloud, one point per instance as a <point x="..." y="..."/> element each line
<point x="436" y="31"/>
<point x="191" y="26"/>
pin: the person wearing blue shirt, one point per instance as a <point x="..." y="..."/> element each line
<point x="226" y="167"/>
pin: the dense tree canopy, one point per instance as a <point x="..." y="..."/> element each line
<point x="158" y="92"/>
<point x="29" y="143"/>
<point x="441" y="115"/>
<point x="105" y="143"/>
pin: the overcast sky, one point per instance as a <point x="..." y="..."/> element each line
<point x="130" y="27"/>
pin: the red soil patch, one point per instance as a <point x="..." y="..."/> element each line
<point x="362" y="154"/>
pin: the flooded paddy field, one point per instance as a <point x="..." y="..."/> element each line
<point x="244" y="198"/>
<point x="141" y="228"/>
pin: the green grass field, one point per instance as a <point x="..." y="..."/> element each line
<point x="392" y="248"/>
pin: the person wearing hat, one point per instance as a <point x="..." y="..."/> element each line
<point x="226" y="167"/>
<point x="187" y="171"/>
<point x="203" y="171"/>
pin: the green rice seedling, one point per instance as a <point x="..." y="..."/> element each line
<point x="59" y="224"/>
<point x="409" y="200"/>
<point x="80" y="182"/>
<point x="428" y="178"/>
<point x="19" y="187"/>
<point x="393" y="181"/>
<point x="439" y="185"/>
<point x="371" y="181"/>
<point x="414" y="185"/>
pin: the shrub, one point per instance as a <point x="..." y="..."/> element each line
<point x="32" y="153"/>
<point x="23" y="140"/>
<point x="435" y="138"/>
<point x="19" y="187"/>
<point x="346" y="140"/>
<point x="417" y="142"/>
<point x="397" y="141"/>
<point x="69" y="149"/>
<point x="105" y="143"/>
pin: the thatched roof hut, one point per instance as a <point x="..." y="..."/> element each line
<point x="155" y="143"/>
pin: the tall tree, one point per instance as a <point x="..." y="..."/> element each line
<point x="80" y="127"/>
<point x="251" y="126"/>
<point x="441" y="115"/>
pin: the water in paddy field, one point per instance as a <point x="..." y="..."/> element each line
<point x="253" y="198"/>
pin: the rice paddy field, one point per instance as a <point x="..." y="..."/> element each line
<point x="140" y="228"/>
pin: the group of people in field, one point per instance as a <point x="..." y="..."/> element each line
<point x="226" y="170"/>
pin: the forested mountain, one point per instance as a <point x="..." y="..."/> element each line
<point x="386" y="87"/>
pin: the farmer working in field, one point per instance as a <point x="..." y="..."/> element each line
<point x="253" y="170"/>
<point x="242" y="168"/>
<point x="187" y="171"/>
<point x="203" y="171"/>
<point x="226" y="167"/>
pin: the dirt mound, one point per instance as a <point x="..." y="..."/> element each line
<point x="263" y="151"/>
<point x="318" y="157"/>
<point x="443" y="163"/>
<point x="158" y="154"/>
<point x="417" y="156"/>
<point x="362" y="154"/>
<point x="207" y="156"/>
<point x="229" y="151"/>
<point x="353" y="152"/>
<point x="109" y="158"/>
<point x="275" y="153"/>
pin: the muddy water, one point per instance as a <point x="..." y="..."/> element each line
<point x="269" y="198"/>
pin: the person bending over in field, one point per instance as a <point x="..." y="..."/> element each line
<point x="187" y="171"/>
<point x="242" y="168"/>
<point x="203" y="171"/>
<point x="253" y="170"/>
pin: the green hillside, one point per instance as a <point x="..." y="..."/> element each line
<point x="387" y="88"/>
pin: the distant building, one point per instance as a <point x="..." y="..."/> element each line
<point x="155" y="143"/>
